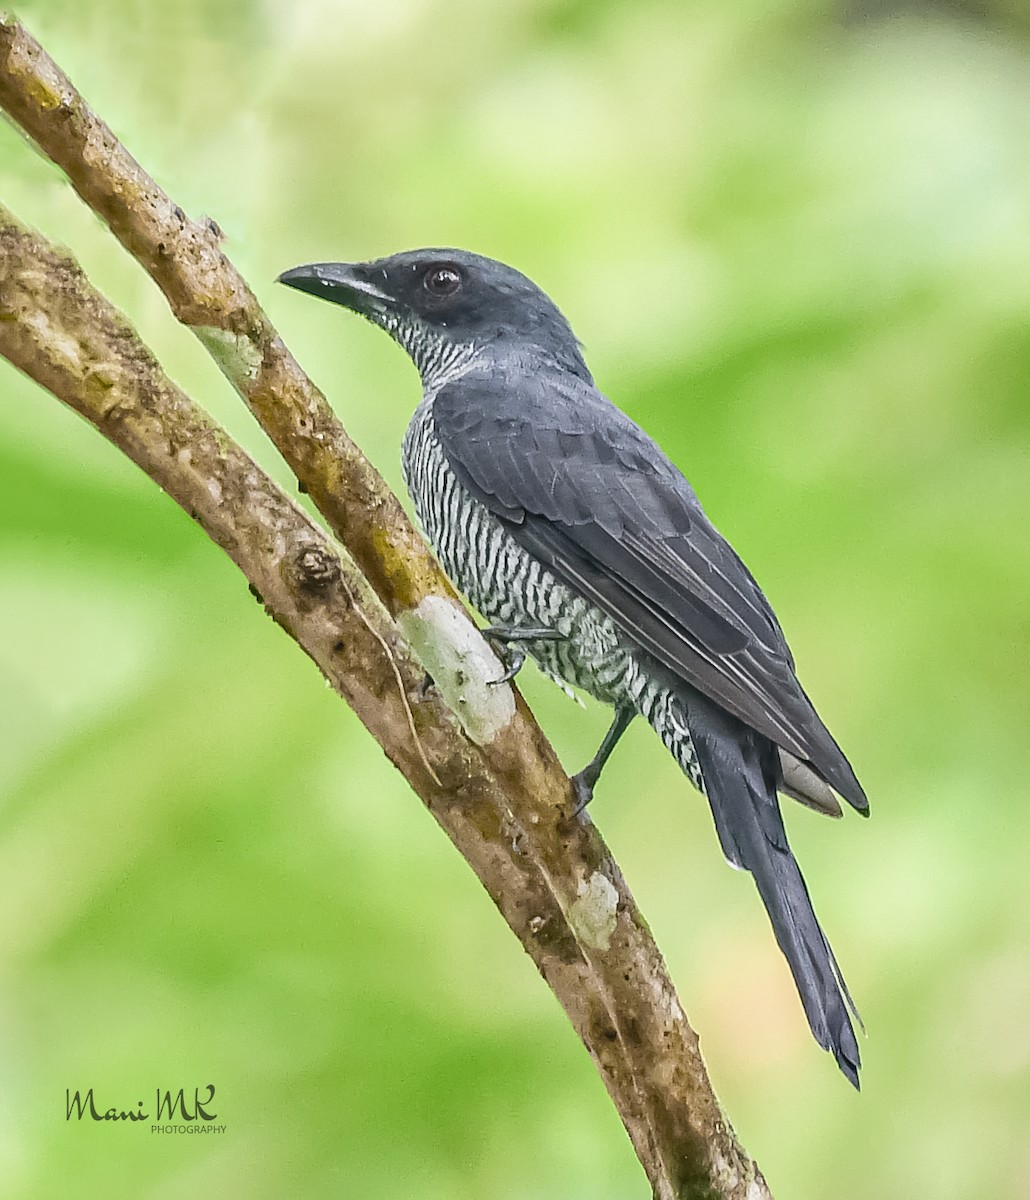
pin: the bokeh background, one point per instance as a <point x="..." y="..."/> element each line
<point x="795" y="239"/>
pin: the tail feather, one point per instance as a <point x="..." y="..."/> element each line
<point x="739" y="769"/>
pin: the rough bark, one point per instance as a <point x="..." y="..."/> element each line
<point x="489" y="777"/>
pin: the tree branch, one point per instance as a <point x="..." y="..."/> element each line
<point x="490" y="778"/>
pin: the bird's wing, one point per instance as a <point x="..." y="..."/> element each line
<point x="588" y="493"/>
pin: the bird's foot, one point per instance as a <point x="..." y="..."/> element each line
<point x="582" y="789"/>
<point x="425" y="688"/>
<point x="501" y="639"/>
<point x="513" y="659"/>
<point x="584" y="783"/>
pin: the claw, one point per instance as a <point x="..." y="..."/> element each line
<point x="513" y="659"/>
<point x="502" y="637"/>
<point x="583" y="790"/>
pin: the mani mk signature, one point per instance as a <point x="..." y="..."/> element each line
<point x="82" y="1105"/>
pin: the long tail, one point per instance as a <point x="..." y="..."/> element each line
<point x="738" y="768"/>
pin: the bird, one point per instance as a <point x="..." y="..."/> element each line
<point x="586" y="548"/>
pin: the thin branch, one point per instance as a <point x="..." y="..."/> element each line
<point x="503" y="793"/>
<point x="208" y="295"/>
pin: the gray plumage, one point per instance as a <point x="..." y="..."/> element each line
<point x="554" y="512"/>
<point x="512" y="587"/>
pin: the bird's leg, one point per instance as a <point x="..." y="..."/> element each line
<point x="501" y="638"/>
<point x="583" y="784"/>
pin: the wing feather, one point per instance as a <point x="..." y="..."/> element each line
<point x="589" y="494"/>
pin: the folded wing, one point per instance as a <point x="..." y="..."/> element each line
<point x="588" y="493"/>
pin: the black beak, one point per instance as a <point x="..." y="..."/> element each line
<point x="342" y="283"/>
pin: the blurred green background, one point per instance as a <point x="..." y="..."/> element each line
<point x="795" y="239"/>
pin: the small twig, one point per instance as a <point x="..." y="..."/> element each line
<point x="389" y="655"/>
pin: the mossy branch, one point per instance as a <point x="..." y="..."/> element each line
<point x="490" y="778"/>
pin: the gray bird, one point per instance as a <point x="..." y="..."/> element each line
<point x="586" y="548"/>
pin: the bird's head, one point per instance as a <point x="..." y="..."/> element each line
<point x="445" y="306"/>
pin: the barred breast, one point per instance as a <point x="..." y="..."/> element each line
<point x="511" y="588"/>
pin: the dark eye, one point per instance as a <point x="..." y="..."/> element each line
<point x="442" y="281"/>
